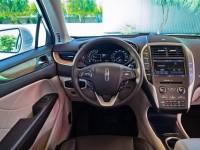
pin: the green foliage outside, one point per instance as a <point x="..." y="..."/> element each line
<point x="128" y="29"/>
<point x="82" y="8"/>
<point x="7" y="43"/>
<point x="13" y="9"/>
<point x="190" y="5"/>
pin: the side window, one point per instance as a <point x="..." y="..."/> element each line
<point x="18" y="26"/>
<point x="42" y="35"/>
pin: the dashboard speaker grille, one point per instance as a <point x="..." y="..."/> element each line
<point x="167" y="51"/>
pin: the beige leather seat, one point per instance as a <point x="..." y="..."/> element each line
<point x="105" y="143"/>
<point x="188" y="144"/>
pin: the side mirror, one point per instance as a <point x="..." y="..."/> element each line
<point x="14" y="41"/>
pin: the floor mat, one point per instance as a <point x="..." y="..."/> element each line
<point x="191" y="122"/>
<point x="90" y="120"/>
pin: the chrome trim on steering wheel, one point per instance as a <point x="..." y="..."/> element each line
<point x="106" y="104"/>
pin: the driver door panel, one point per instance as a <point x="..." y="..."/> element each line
<point x="24" y="80"/>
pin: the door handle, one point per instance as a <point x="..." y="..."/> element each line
<point x="43" y="61"/>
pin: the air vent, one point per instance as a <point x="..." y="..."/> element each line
<point x="167" y="51"/>
<point x="69" y="56"/>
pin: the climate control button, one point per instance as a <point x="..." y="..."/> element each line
<point x="162" y="89"/>
<point x="181" y="90"/>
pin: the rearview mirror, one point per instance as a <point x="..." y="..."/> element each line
<point x="14" y="41"/>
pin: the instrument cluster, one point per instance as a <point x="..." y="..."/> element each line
<point x="107" y="54"/>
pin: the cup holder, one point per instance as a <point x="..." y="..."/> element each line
<point x="171" y="141"/>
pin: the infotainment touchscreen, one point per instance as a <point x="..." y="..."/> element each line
<point x="169" y="67"/>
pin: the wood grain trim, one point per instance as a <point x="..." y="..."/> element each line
<point x="61" y="61"/>
<point x="20" y="70"/>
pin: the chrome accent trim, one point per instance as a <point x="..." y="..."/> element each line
<point x="169" y="138"/>
<point x="106" y="104"/>
<point x="188" y="55"/>
<point x="191" y="86"/>
<point x="151" y="86"/>
<point x="107" y="74"/>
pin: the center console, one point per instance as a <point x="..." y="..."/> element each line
<point x="169" y="75"/>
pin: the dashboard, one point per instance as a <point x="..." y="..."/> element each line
<point x="169" y="70"/>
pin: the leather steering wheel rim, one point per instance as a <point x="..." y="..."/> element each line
<point x="99" y="41"/>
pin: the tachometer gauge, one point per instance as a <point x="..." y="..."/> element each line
<point x="120" y="56"/>
<point x="94" y="56"/>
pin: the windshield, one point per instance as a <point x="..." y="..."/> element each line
<point x="126" y="17"/>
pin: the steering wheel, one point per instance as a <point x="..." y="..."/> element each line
<point x="106" y="78"/>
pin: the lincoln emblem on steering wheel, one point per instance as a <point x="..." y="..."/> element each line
<point x="107" y="74"/>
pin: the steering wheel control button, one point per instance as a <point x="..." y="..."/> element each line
<point x="86" y="74"/>
<point x="122" y="86"/>
<point x="162" y="90"/>
<point x="129" y="74"/>
<point x="181" y="90"/>
<point x="90" y="85"/>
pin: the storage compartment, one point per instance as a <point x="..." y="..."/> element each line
<point x="171" y="141"/>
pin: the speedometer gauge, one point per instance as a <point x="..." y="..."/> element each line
<point x="120" y="56"/>
<point x="94" y="56"/>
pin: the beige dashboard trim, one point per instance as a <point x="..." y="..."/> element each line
<point x="61" y="61"/>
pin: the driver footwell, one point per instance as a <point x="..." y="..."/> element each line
<point x="90" y="120"/>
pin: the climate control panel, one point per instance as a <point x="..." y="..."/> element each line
<point x="172" y="96"/>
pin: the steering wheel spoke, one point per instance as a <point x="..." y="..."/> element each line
<point x="102" y="102"/>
